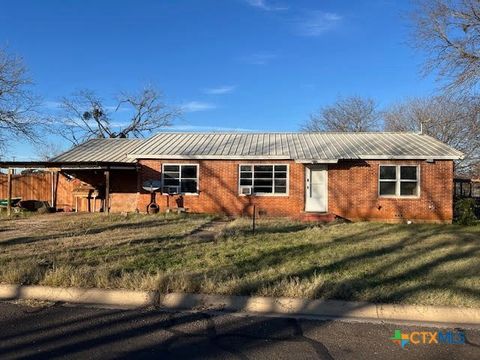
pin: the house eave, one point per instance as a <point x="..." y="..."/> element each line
<point x="317" y="161"/>
<point x="408" y="157"/>
<point x="208" y="157"/>
<point x="285" y="157"/>
<point x="57" y="165"/>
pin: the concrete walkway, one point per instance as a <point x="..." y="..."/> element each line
<point x="210" y="230"/>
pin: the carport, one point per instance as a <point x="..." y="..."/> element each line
<point x="81" y="170"/>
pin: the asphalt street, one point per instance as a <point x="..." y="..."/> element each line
<point x="58" y="331"/>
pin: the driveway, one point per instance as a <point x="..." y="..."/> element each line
<point x="46" y="331"/>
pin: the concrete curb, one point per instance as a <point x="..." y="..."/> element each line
<point x="248" y="304"/>
<point x="80" y="296"/>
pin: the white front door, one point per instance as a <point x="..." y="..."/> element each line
<point x="316" y="188"/>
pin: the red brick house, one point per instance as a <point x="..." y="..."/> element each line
<point x="357" y="176"/>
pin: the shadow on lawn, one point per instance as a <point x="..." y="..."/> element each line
<point x="97" y="229"/>
<point x="148" y="333"/>
<point x="355" y="287"/>
<point x="385" y="277"/>
<point x="98" y="252"/>
<point x="413" y="247"/>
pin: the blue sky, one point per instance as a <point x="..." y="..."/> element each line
<point x="232" y="64"/>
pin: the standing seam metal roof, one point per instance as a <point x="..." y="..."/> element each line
<point x="101" y="150"/>
<point x="295" y="146"/>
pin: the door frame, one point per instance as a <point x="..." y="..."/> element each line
<point x="308" y="169"/>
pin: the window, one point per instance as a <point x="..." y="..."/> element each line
<point x="264" y="179"/>
<point x="398" y="180"/>
<point x="182" y="177"/>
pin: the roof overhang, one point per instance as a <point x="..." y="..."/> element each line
<point x="232" y="157"/>
<point x="286" y="157"/>
<point x="317" y="161"/>
<point x="54" y="165"/>
<point x="209" y="157"/>
<point x="408" y="157"/>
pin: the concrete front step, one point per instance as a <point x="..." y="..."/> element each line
<point x="318" y="217"/>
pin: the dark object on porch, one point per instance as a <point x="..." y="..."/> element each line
<point x="35" y="205"/>
<point x="180" y="201"/>
<point x="152" y="186"/>
<point x="153" y="208"/>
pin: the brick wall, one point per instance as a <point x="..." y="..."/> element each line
<point x="352" y="191"/>
<point x="218" y="185"/>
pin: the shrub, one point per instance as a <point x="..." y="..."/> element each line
<point x="465" y="212"/>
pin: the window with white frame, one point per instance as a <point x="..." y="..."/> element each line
<point x="264" y="179"/>
<point x="399" y="181"/>
<point x="180" y="178"/>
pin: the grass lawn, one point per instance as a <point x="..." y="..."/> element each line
<point x="422" y="264"/>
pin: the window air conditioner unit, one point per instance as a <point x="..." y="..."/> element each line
<point x="246" y="190"/>
<point x="171" y="190"/>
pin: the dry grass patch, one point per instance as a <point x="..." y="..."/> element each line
<point x="423" y="264"/>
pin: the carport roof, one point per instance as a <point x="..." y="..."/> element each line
<point x="100" y="150"/>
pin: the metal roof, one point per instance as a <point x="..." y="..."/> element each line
<point x="100" y="150"/>
<point x="302" y="147"/>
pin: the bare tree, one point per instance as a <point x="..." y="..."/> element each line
<point x="149" y="112"/>
<point x="49" y="150"/>
<point x="449" y="32"/>
<point x="18" y="105"/>
<point x="453" y="120"/>
<point x="84" y="115"/>
<point x="351" y="114"/>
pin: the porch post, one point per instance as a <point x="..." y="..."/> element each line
<point x="55" y="193"/>
<point x="9" y="192"/>
<point x="107" y="192"/>
<point x="52" y="188"/>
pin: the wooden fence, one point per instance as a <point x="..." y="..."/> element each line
<point x="38" y="186"/>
